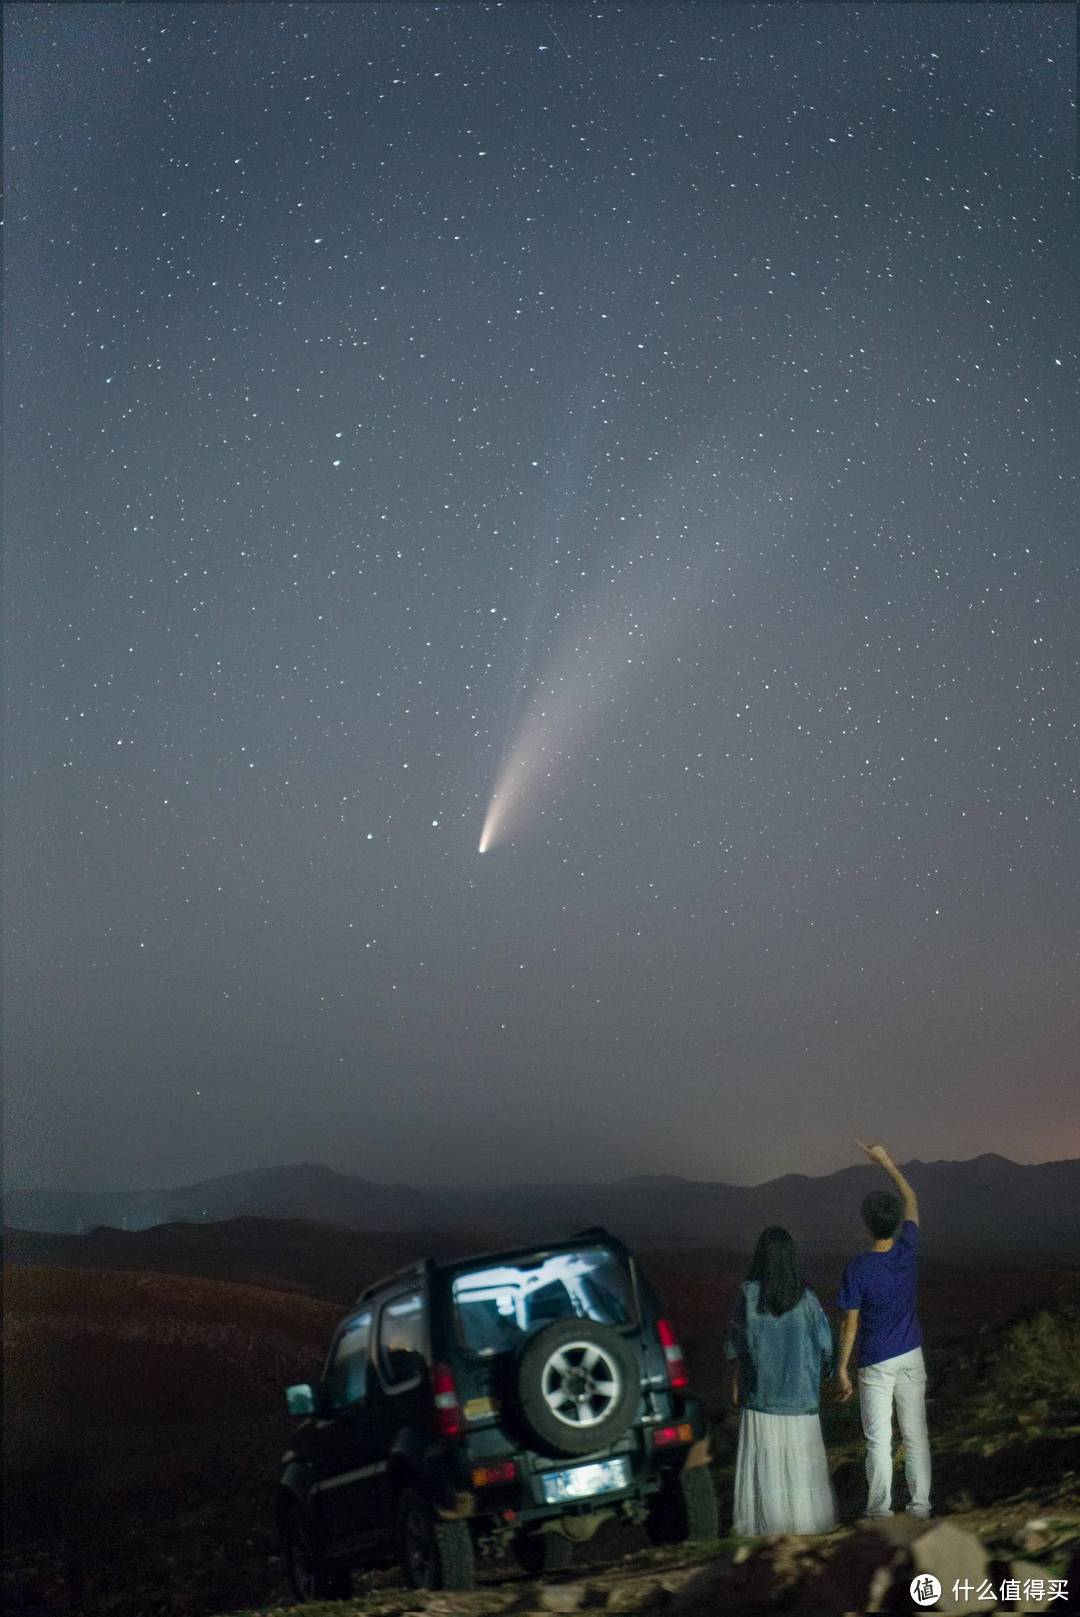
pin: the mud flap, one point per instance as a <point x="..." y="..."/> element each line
<point x="464" y="1504"/>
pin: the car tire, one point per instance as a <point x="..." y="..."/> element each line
<point x="309" y="1575"/>
<point x="435" y="1554"/>
<point x="578" y="1385"/>
<point x="538" y="1553"/>
<point x="685" y="1509"/>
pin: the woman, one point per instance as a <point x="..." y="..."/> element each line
<point x="780" y="1338"/>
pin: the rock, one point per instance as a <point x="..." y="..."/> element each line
<point x="640" y="1595"/>
<point x="560" y="1597"/>
<point x="1034" y="1535"/>
<point x="873" y="1570"/>
<point x="456" y="1604"/>
<point x="952" y="1556"/>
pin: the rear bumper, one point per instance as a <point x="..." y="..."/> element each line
<point x="520" y="1504"/>
<point x="449" y="1474"/>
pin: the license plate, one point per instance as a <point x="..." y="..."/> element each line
<point x="586" y="1480"/>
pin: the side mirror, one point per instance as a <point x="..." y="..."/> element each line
<point x="301" y="1399"/>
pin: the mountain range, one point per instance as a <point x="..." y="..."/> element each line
<point x="986" y="1206"/>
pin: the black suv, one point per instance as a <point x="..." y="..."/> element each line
<point x="507" y="1402"/>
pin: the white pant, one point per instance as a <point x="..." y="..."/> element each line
<point x="902" y="1379"/>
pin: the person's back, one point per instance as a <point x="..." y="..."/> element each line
<point x="781" y="1354"/>
<point x="886" y="1286"/>
<point x="779" y="1338"/>
<point x="878" y="1295"/>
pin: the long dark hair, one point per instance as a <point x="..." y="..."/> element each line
<point x="775" y="1267"/>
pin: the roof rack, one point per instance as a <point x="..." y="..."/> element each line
<point x="413" y="1271"/>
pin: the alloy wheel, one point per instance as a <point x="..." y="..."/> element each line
<point x="581" y="1384"/>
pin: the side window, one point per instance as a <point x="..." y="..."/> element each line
<point x="401" y="1339"/>
<point x="345" y="1380"/>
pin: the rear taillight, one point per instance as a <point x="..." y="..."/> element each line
<point x="447" y="1408"/>
<point x="676" y="1364"/>
<point x="489" y="1476"/>
<point x="665" y="1436"/>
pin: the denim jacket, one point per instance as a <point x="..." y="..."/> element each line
<point x="780" y="1355"/>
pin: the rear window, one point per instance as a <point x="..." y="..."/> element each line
<point x="497" y="1306"/>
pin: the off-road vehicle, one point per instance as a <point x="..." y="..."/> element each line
<point x="510" y="1402"/>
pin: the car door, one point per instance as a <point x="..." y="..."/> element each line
<point x="349" y="1467"/>
<point x="401" y="1400"/>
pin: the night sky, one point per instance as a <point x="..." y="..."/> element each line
<point x="639" y="441"/>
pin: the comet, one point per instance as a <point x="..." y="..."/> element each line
<point x="590" y="672"/>
<point x="551" y="729"/>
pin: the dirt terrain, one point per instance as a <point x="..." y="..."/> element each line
<point x="143" y="1424"/>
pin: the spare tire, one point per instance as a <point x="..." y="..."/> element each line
<point x="578" y="1385"/>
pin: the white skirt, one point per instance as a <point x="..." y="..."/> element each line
<point x="782" y="1476"/>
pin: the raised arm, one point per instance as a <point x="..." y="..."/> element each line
<point x="877" y="1153"/>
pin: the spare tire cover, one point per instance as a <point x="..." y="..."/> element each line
<point x="578" y="1384"/>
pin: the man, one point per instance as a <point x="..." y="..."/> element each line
<point x="878" y="1296"/>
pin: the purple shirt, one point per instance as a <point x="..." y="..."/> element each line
<point x="882" y="1286"/>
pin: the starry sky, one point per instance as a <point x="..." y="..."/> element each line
<point x="639" y="441"/>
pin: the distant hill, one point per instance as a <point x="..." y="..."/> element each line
<point x="304" y="1190"/>
<point x="986" y="1206"/>
<point x="288" y="1255"/>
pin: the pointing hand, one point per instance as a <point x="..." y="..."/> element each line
<point x="877" y="1153"/>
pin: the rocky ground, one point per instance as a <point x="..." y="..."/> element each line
<point x="854" y="1570"/>
<point x="173" y="1518"/>
<point x="139" y="1537"/>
